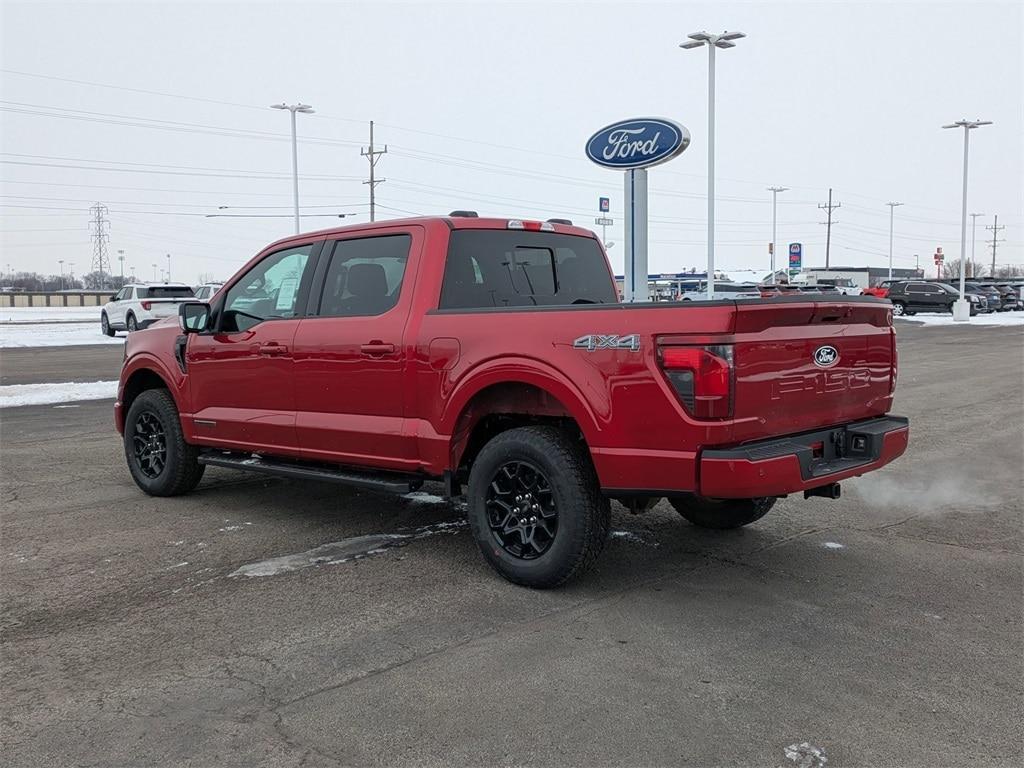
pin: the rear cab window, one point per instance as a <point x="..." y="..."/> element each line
<point x="488" y="268"/>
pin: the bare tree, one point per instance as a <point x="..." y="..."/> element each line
<point x="951" y="268"/>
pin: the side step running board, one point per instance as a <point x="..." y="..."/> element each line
<point x="388" y="482"/>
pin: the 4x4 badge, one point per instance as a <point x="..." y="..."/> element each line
<point x="607" y="341"/>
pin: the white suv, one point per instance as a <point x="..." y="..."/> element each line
<point x="138" y="306"/>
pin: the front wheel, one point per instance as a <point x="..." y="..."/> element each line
<point x="722" y="514"/>
<point x="535" y="508"/>
<point x="899" y="308"/>
<point x="161" y="462"/>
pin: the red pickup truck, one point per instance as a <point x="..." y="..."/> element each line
<point x="494" y="355"/>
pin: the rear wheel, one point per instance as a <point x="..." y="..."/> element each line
<point x="721" y="514"/>
<point x="535" y="508"/>
<point x="132" y="323"/>
<point x="161" y="462"/>
<point x="105" y="325"/>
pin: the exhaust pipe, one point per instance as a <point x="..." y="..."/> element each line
<point x="830" y="491"/>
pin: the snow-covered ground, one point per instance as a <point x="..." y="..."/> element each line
<point x="16" y="395"/>
<point x="48" y="314"/>
<point x="55" y="335"/>
<point x="995" y="318"/>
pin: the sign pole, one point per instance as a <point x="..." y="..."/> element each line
<point x="636" y="285"/>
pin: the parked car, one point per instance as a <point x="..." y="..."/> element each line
<point x="778" y="289"/>
<point x="206" y="291"/>
<point x="1011" y="297"/>
<point x="723" y="292"/>
<point x="492" y="354"/>
<point x="138" y="306"/>
<point x="913" y="296"/>
<point x="1018" y="291"/>
<point x="881" y="290"/>
<point x="843" y="285"/>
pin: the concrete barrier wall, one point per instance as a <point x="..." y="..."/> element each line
<point x="80" y="299"/>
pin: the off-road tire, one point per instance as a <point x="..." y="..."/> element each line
<point x="131" y="323"/>
<point x="181" y="471"/>
<point x="583" y="513"/>
<point x="105" y="325"/>
<point x="721" y="514"/>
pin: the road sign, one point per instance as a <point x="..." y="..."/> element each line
<point x="796" y="253"/>
<point x="604" y="204"/>
<point x="603" y="221"/>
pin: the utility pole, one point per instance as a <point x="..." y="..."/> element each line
<point x="995" y="231"/>
<point x="892" y="208"/>
<point x="775" y="193"/>
<point x="373" y="156"/>
<point x="974" y="236"/>
<point x="100" y="225"/>
<point x="828" y="231"/>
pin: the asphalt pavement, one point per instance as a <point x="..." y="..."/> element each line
<point x="884" y="629"/>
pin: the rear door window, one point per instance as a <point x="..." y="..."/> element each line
<point x="518" y="268"/>
<point x="365" y="276"/>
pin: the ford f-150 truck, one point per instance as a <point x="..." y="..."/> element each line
<point x="494" y="355"/>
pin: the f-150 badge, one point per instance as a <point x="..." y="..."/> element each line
<point x="595" y="341"/>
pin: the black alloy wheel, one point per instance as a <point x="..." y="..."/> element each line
<point x="149" y="443"/>
<point x="521" y="510"/>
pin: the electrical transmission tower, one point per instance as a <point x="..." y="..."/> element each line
<point x="828" y="231"/>
<point x="99" y="225"/>
<point x="995" y="231"/>
<point x="373" y="156"/>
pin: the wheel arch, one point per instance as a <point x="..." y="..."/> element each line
<point x="502" y="398"/>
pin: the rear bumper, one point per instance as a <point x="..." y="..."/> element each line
<point x="792" y="464"/>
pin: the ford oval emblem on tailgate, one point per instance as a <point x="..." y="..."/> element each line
<point x="826" y="357"/>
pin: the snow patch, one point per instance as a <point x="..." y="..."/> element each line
<point x="833" y="545"/>
<point x="420" y="497"/>
<point x="346" y="550"/>
<point x="15" y="395"/>
<point x="995" y="318"/>
<point x="806" y="755"/>
<point x="49" y="314"/>
<point x="55" y="335"/>
<point x="632" y="537"/>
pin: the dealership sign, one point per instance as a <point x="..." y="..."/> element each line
<point x="637" y="143"/>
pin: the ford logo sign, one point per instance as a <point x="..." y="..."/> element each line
<point x="826" y="357"/>
<point x="637" y="143"/>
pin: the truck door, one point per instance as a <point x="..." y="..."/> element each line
<point x="352" y="349"/>
<point x="240" y="375"/>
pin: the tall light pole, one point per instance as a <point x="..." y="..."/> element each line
<point x="962" y="310"/>
<point x="61" y="262"/>
<point x="71" y="273"/>
<point x="724" y="40"/>
<point x="293" y="108"/>
<point x="168" y="267"/>
<point x="775" y="192"/>
<point x="974" y="227"/>
<point x="155" y="274"/>
<point x="892" y="207"/>
<point x="120" y="257"/>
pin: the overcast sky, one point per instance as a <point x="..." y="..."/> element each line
<point x="487" y="107"/>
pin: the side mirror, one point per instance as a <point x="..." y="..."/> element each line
<point x="193" y="316"/>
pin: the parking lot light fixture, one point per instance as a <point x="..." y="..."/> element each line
<point x="724" y="40"/>
<point x="962" y="310"/>
<point x="306" y="110"/>
<point x="892" y="207"/>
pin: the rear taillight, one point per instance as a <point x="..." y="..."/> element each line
<point x="702" y="378"/>
<point x="147" y="305"/>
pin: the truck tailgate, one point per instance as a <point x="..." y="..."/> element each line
<point x="805" y="366"/>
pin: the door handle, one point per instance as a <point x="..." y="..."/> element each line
<point x="377" y="348"/>
<point x="273" y="349"/>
